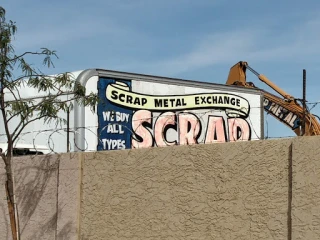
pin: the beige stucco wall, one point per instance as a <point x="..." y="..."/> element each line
<point x="36" y="188"/>
<point x="5" y="230"/>
<point x="216" y="191"/>
<point x="306" y="188"/>
<point x="251" y="190"/>
<point x="47" y="193"/>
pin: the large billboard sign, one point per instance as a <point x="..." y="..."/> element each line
<point x="141" y="111"/>
<point x="140" y="114"/>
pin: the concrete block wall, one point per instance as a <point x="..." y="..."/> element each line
<point x="251" y="190"/>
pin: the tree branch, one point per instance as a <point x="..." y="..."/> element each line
<point x="24" y="54"/>
<point x="33" y="109"/>
<point x="16" y="135"/>
<point x="2" y="103"/>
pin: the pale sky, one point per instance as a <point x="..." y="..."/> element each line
<point x="197" y="40"/>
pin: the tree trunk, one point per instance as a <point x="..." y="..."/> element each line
<point x="11" y="199"/>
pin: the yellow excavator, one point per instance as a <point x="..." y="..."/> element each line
<point x="285" y="108"/>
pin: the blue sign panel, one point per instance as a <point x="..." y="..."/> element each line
<point x="114" y="121"/>
<point x="283" y="114"/>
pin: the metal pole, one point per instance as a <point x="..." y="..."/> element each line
<point x="304" y="103"/>
<point x="68" y="129"/>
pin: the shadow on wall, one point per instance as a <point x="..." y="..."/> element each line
<point x="3" y="212"/>
<point x="37" y="181"/>
<point x="32" y="183"/>
<point x="65" y="232"/>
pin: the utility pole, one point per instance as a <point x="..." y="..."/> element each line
<point x="303" y="127"/>
<point x="68" y="129"/>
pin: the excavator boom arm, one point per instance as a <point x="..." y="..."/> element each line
<point x="285" y="109"/>
<point x="238" y="74"/>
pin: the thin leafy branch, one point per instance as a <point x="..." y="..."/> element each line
<point x="18" y="112"/>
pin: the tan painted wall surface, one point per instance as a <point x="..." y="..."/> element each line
<point x="218" y="191"/>
<point x="250" y="190"/>
<point x="5" y="231"/>
<point x="306" y="189"/>
<point x="48" y="197"/>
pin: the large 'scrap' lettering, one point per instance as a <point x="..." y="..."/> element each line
<point x="163" y="123"/>
<point x="140" y="120"/>
<point x="130" y="118"/>
<point x="187" y="128"/>
<point x="216" y="127"/>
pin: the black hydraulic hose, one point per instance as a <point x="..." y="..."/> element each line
<point x="253" y="71"/>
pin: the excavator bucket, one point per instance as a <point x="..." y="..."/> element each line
<point x="237" y="74"/>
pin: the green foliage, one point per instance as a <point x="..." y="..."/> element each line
<point x="56" y="94"/>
